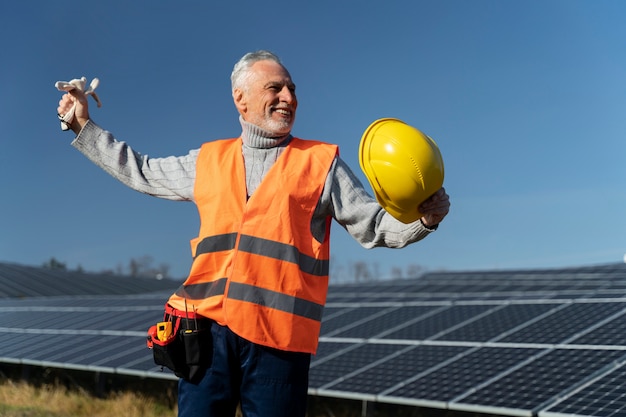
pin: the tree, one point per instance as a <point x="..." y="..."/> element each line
<point x="396" y="273"/>
<point x="53" y="263"/>
<point x="362" y="272"/>
<point x="142" y="267"/>
<point x="414" y="271"/>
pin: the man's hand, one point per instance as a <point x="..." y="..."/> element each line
<point x="435" y="208"/>
<point x="73" y="109"/>
<point x="81" y="113"/>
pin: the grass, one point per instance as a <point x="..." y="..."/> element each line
<point x="18" y="399"/>
<point x="56" y="399"/>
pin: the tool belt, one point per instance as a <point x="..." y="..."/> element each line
<point x="182" y="343"/>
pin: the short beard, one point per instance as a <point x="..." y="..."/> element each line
<point x="273" y="127"/>
<point x="278" y="128"/>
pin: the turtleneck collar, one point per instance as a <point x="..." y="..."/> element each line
<point x="255" y="137"/>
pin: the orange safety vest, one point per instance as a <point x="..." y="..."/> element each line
<point x="257" y="267"/>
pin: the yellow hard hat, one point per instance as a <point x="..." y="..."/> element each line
<point x="403" y="166"/>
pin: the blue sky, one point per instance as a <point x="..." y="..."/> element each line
<point x="526" y="100"/>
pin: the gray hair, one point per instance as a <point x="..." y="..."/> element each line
<point x="240" y="72"/>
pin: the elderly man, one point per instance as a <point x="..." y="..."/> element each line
<point x="259" y="276"/>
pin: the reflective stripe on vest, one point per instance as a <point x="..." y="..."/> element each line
<point x="216" y="243"/>
<point x="262" y="274"/>
<point x="202" y="290"/>
<point x="265" y="247"/>
<point x="252" y="294"/>
<point x="275" y="300"/>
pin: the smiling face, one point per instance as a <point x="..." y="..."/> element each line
<point x="267" y="98"/>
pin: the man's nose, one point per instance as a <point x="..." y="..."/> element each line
<point x="287" y="95"/>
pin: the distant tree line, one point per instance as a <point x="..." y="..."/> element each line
<point x="355" y="272"/>
<point x="141" y="267"/>
<point x="362" y="271"/>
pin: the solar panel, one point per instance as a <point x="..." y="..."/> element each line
<point x="525" y="342"/>
<point x="565" y="323"/>
<point x="26" y="281"/>
<point x="347" y="316"/>
<point x="609" y="332"/>
<point x="604" y="396"/>
<point x="542" y="379"/>
<point x="380" y="322"/>
<point x="499" y="320"/>
<point x="407" y="363"/>
<point x="352" y="360"/>
<point x="444" y="318"/>
<point x="450" y="379"/>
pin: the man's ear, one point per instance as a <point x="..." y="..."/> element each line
<point x="240" y="100"/>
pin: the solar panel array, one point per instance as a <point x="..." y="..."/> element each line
<point x="533" y="342"/>
<point x="27" y="281"/>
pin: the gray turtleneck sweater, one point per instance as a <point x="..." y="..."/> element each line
<point x="343" y="198"/>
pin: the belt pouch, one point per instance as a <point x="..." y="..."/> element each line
<point x="187" y="352"/>
<point x="198" y="350"/>
<point x="169" y="353"/>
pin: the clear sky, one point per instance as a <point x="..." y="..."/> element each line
<point x="526" y="100"/>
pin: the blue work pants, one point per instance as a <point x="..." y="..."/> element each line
<point x="267" y="382"/>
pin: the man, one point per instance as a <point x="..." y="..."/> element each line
<point x="260" y="269"/>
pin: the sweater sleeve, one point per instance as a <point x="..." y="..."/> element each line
<point x="171" y="178"/>
<point x="347" y="201"/>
